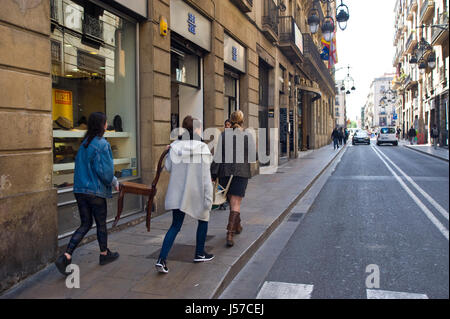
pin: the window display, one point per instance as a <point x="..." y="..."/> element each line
<point x="93" y="70"/>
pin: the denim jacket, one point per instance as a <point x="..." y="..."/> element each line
<point x="94" y="169"/>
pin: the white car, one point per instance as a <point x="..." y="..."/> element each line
<point x="387" y="135"/>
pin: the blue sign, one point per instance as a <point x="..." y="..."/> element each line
<point x="191" y="23"/>
<point x="394" y="117"/>
<point x="234" y="53"/>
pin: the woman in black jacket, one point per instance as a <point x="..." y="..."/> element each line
<point x="234" y="153"/>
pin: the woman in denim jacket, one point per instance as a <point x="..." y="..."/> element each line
<point x="93" y="181"/>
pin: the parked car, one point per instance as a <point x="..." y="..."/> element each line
<point x="361" y="137"/>
<point x="387" y="135"/>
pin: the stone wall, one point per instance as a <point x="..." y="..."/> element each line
<point x="28" y="215"/>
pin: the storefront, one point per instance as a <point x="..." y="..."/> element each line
<point x="190" y="42"/>
<point x="94" y="69"/>
<point x="234" y="67"/>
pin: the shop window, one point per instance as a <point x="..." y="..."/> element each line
<point x="185" y="68"/>
<point x="92" y="77"/>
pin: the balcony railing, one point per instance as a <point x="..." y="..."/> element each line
<point x="54" y="10"/>
<point x="443" y="76"/>
<point x="312" y="53"/>
<point x="426" y="10"/>
<point x="270" y="19"/>
<point x="290" y="37"/>
<point x="438" y="34"/>
<point x="412" y="41"/>
<point x="93" y="27"/>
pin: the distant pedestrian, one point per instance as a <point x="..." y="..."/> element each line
<point x="335" y="138"/>
<point x="341" y="136"/>
<point x="411" y="135"/>
<point x="232" y="160"/>
<point x="93" y="181"/>
<point x="190" y="190"/>
<point x="227" y="124"/>
<point x="346" y="134"/>
<point x="398" y="132"/>
<point x="435" y="136"/>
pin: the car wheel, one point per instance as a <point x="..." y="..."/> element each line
<point x="396" y="144"/>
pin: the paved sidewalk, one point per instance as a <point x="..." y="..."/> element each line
<point x="440" y="152"/>
<point x="268" y="200"/>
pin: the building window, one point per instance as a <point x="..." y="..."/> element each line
<point x="93" y="70"/>
<point x="231" y="82"/>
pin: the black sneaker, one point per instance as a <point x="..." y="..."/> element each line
<point x="204" y="257"/>
<point x="61" y="263"/>
<point x="108" y="258"/>
<point x="161" y="266"/>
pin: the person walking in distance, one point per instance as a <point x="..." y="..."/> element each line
<point x="435" y="136"/>
<point x="335" y="138"/>
<point x="93" y="182"/>
<point x="190" y="190"/>
<point x="411" y="134"/>
<point x="231" y="160"/>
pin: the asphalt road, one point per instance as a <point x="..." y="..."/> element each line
<point x="368" y="218"/>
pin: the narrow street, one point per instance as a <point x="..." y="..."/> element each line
<point x="364" y="216"/>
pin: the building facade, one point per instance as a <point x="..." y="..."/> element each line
<point x="340" y="107"/>
<point x="423" y="92"/>
<point x="146" y="64"/>
<point x="379" y="109"/>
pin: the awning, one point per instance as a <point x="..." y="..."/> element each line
<point x="315" y="92"/>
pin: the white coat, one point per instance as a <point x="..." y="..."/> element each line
<point x="190" y="188"/>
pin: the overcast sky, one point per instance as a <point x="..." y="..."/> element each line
<point x="367" y="46"/>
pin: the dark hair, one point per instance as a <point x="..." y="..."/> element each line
<point x="227" y="121"/>
<point x="188" y="125"/>
<point x="96" y="127"/>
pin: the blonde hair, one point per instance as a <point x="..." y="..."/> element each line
<point x="237" y="119"/>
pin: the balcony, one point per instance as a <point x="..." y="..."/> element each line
<point x="426" y="11"/>
<point x="270" y="20"/>
<point x="411" y="43"/>
<point x="411" y="9"/>
<point x="93" y="28"/>
<point x="290" y="39"/>
<point x="243" y="5"/>
<point x="440" y="36"/>
<point x="314" y="65"/>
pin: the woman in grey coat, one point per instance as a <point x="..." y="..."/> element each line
<point x="190" y="190"/>
<point x="234" y="152"/>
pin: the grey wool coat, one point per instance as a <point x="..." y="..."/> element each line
<point x="190" y="187"/>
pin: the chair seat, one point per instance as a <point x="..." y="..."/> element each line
<point x="130" y="187"/>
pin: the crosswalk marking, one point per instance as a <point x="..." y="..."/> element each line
<point x="384" y="294"/>
<point x="284" y="290"/>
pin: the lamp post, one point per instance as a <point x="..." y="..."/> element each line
<point x="347" y="80"/>
<point x="328" y="24"/>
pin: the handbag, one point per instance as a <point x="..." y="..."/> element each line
<point x="220" y="193"/>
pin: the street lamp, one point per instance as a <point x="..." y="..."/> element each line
<point x="347" y="80"/>
<point x="328" y="24"/>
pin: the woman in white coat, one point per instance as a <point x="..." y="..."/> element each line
<point x="190" y="189"/>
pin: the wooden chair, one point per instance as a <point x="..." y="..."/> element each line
<point x="140" y="189"/>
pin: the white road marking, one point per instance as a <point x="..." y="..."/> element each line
<point x="425" y="194"/>
<point x="427" y="212"/>
<point x="284" y="290"/>
<point x="384" y="294"/>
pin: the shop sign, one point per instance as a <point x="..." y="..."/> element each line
<point x="234" y="54"/>
<point x="190" y="24"/>
<point x="298" y="38"/>
<point x="62" y="104"/>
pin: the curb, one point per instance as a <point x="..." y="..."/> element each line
<point x="422" y="152"/>
<point x="245" y="257"/>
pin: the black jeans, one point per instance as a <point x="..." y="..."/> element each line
<point x="90" y="207"/>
